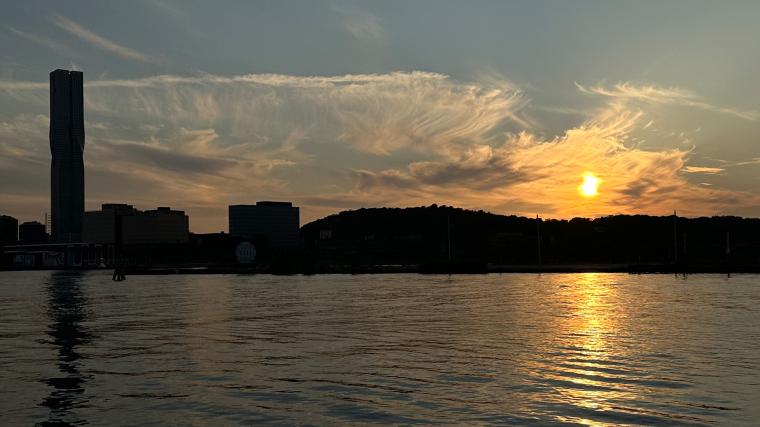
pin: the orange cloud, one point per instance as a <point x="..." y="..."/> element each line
<point x="526" y="174"/>
<point x="336" y="142"/>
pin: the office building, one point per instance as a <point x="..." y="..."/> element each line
<point x="32" y="232"/>
<point x="160" y="226"/>
<point x="8" y="230"/>
<point x="67" y="149"/>
<point x="278" y="221"/>
<point x="105" y="226"/>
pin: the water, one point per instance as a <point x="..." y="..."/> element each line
<point x="557" y="349"/>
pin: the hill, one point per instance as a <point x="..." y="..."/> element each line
<point x="423" y="235"/>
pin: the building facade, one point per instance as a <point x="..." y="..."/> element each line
<point x="67" y="150"/>
<point x="278" y="221"/>
<point x="105" y="226"/>
<point x="8" y="230"/>
<point x="159" y="226"/>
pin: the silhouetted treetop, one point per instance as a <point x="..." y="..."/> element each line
<point x="423" y="234"/>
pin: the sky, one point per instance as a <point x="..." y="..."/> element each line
<point x="505" y="106"/>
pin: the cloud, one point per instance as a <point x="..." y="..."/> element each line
<point x="180" y="16"/>
<point x="664" y="95"/>
<point x="170" y="10"/>
<point x="160" y="158"/>
<point x="361" y="25"/>
<point x="21" y="85"/>
<point x="100" y="41"/>
<point x="178" y="166"/>
<point x="210" y="140"/>
<point x="53" y="45"/>
<point x="374" y="113"/>
<point x="16" y="134"/>
<point x="480" y="167"/>
<point x="702" y="169"/>
<point x="753" y="161"/>
<point x="527" y="174"/>
<point x="332" y="142"/>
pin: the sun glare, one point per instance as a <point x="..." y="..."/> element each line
<point x="590" y="185"/>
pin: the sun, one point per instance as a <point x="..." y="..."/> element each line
<point x="590" y="185"/>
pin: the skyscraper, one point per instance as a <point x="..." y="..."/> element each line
<point x="67" y="149"/>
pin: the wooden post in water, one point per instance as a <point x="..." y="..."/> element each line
<point x="448" y="236"/>
<point x="675" y="237"/>
<point x="538" y="238"/>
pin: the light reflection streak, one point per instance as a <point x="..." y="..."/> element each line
<point x="584" y="366"/>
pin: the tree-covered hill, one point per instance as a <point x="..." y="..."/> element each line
<point x="429" y="234"/>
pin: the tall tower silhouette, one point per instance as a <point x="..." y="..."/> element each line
<point x="67" y="149"/>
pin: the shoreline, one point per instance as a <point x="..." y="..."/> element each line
<point x="430" y="269"/>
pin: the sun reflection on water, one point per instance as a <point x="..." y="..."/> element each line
<point x="584" y="367"/>
<point x="593" y="317"/>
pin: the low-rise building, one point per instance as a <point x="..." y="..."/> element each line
<point x="120" y="224"/>
<point x="104" y="226"/>
<point x="160" y="226"/>
<point x="8" y="230"/>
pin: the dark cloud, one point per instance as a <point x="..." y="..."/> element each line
<point x="165" y="159"/>
<point x="638" y="188"/>
<point x="343" y="201"/>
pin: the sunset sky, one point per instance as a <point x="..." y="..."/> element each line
<point x="503" y="106"/>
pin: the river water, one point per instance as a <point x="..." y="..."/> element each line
<point x="515" y="349"/>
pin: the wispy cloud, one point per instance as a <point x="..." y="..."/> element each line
<point x="100" y="41"/>
<point x="375" y="113"/>
<point x="729" y="164"/>
<point x="527" y="174"/>
<point x="361" y="25"/>
<point x="703" y="169"/>
<point x="242" y="135"/>
<point x="169" y="9"/>
<point x="754" y="161"/>
<point x="43" y="41"/>
<point x="327" y="142"/>
<point x="664" y="95"/>
<point x="178" y="14"/>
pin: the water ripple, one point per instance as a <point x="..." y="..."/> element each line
<point x="550" y="349"/>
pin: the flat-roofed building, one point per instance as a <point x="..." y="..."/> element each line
<point x="278" y="221"/>
<point x="8" y="230"/>
<point x="160" y="226"/>
<point x="104" y="226"/>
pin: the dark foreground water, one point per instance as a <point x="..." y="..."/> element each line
<point x="499" y="349"/>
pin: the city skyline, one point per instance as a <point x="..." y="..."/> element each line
<point x="363" y="110"/>
<point x="380" y="212"/>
